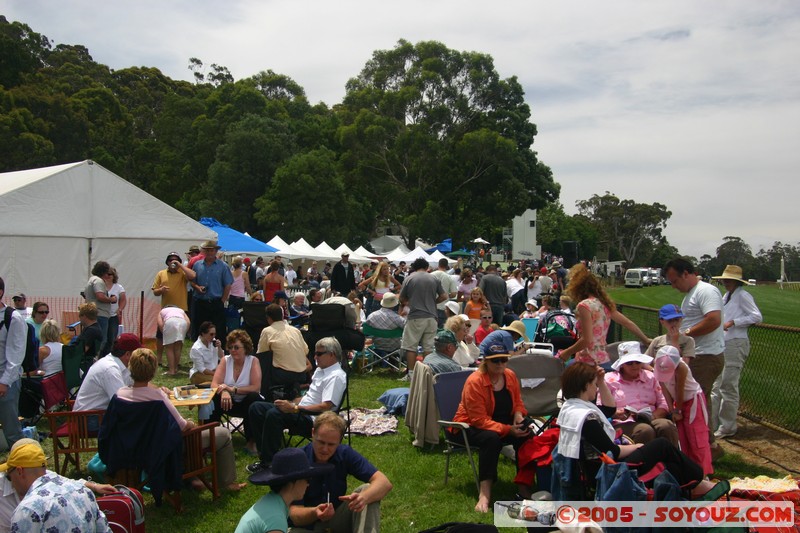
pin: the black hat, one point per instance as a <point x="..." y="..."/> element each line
<point x="175" y="255"/>
<point x="289" y="464"/>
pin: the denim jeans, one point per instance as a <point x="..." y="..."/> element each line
<point x="9" y="414"/>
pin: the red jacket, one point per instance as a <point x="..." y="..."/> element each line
<point x="477" y="402"/>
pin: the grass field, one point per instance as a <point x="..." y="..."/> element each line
<point x="420" y="498"/>
<point x="777" y="307"/>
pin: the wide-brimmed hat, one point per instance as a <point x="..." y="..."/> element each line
<point x="193" y="249"/>
<point x="209" y="244"/>
<point x="453" y="307"/>
<point x="517" y="326"/>
<point x="667" y="360"/>
<point x="290" y="464"/>
<point x="556" y="264"/>
<point x="172" y="254"/>
<point x="29" y="455"/>
<point x="670" y="311"/>
<point x="390" y="300"/>
<point x="733" y="272"/>
<point x="532" y="302"/>
<point x="629" y="352"/>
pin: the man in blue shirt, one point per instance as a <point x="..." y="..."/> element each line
<point x="211" y="289"/>
<point x="505" y="337"/>
<point x="326" y="499"/>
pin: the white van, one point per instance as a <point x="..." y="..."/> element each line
<point x="635" y="277"/>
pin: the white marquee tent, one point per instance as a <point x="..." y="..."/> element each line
<point x="56" y="222"/>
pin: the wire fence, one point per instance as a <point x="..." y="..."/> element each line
<point x="769" y="388"/>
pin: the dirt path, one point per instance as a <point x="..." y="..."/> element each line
<point x="763" y="446"/>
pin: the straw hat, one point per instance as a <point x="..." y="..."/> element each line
<point x="517" y="327"/>
<point x="733" y="272"/>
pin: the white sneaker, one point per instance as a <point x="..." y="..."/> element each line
<point x="721" y="434"/>
<point x="407" y="377"/>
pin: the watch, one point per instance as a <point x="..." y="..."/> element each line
<point x="686" y="331"/>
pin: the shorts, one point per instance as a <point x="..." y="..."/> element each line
<point x="419" y="331"/>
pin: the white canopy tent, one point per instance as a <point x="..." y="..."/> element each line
<point x="284" y="250"/>
<point x="309" y="252"/>
<point x="57" y="222"/>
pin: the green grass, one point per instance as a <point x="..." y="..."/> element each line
<point x="777" y="306"/>
<point x="419" y="500"/>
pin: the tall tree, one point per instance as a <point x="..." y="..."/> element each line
<point x="431" y="135"/>
<point x="626" y="224"/>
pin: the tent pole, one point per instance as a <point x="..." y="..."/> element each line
<point x="141" y="315"/>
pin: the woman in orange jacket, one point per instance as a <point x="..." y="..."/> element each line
<point x="491" y="404"/>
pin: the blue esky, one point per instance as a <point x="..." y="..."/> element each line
<point x="692" y="104"/>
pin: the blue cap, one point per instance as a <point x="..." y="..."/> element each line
<point x="670" y="311"/>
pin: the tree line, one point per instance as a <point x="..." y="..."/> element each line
<point x="426" y="137"/>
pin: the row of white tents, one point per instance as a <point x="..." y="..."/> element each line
<point x="301" y="249"/>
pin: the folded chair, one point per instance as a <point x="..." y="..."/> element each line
<point x="71" y="436"/>
<point x="447" y="388"/>
<point x="540" y="380"/>
<point x="41" y="394"/>
<point x="393" y="358"/>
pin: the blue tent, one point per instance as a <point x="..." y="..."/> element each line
<point x="233" y="241"/>
<point x="446" y="246"/>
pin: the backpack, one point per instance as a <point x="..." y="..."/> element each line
<point x="31" y="360"/>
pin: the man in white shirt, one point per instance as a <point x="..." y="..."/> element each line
<point x="291" y="275"/>
<point x="324" y="394"/>
<point x="450" y="287"/>
<point x="106" y="377"/>
<point x="13" y="339"/>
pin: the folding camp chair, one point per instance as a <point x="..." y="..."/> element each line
<point x="540" y="380"/>
<point x="393" y="358"/>
<point x="71" y="436"/>
<point x="447" y="388"/>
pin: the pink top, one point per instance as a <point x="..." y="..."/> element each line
<point x="149" y="394"/>
<point x="237" y="287"/>
<point x="595" y="353"/>
<point x="171" y="312"/>
<point x="644" y="391"/>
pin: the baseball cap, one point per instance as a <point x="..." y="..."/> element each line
<point x="670" y="311"/>
<point x="127" y="342"/>
<point x="20" y="296"/>
<point x="445" y="336"/>
<point x="667" y="360"/>
<point x="29" y="455"/>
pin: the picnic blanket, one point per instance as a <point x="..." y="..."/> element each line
<point x="372" y="422"/>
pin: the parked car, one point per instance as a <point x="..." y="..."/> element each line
<point x="635" y="277"/>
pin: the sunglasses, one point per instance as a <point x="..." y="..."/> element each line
<point x="320" y="354"/>
<point x="499" y="360"/>
<point x="43" y="312"/>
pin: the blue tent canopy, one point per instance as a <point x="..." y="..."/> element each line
<point x="446" y="246"/>
<point x="232" y="241"/>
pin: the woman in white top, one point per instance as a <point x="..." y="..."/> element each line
<point x="50" y="351"/>
<point x="466" y="351"/>
<point x="237" y="381"/>
<point x="142" y="366"/>
<point x="740" y="312"/>
<point x="205" y="354"/>
<point x="115" y="289"/>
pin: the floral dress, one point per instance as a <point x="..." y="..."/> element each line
<point x="595" y="352"/>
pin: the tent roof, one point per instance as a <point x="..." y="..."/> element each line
<point x="86" y="200"/>
<point x="232" y="241"/>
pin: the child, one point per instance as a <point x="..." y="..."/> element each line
<point x="688" y="404"/>
<point x="670" y="316"/>
<point x="477" y="302"/>
<point x="530" y="310"/>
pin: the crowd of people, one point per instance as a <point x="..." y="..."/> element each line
<point x="670" y="399"/>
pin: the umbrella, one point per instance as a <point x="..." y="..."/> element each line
<point x="480" y="241"/>
<point x="460" y="253"/>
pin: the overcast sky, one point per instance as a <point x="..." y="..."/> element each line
<point x="692" y="104"/>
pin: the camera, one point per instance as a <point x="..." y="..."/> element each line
<point x="528" y="423"/>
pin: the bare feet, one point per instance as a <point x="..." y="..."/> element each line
<point x="482" y="506"/>
<point x="197" y="485"/>
<point x="236" y="487"/>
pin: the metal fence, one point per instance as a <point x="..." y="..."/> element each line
<point x="770" y="383"/>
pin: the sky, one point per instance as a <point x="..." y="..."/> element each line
<point x="695" y="105"/>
